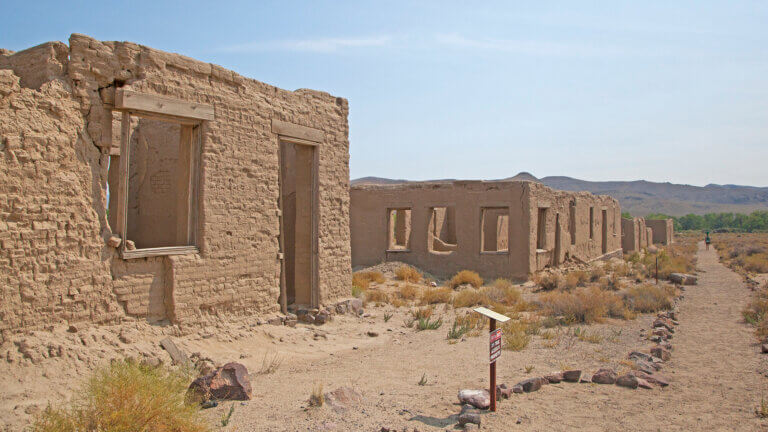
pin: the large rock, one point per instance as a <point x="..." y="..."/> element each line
<point x="604" y="376"/>
<point x="343" y="398"/>
<point x="661" y="353"/>
<point x="665" y="323"/>
<point x="469" y="414"/>
<point x="532" y="384"/>
<point x="654" y="378"/>
<point x="554" y="378"/>
<point x="503" y="392"/>
<point x="637" y="355"/>
<point x="683" y="279"/>
<point x="477" y="398"/>
<point x="228" y="382"/>
<point x="572" y="375"/>
<point x="628" y="381"/>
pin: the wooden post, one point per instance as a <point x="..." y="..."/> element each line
<point x="493" y="372"/>
<point x="657" y="269"/>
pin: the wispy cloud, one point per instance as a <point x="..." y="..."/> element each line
<point x="526" y="47"/>
<point x="318" y="45"/>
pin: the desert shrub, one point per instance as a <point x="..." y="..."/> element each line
<point x="128" y="396"/>
<point x="622" y="269"/>
<point x="649" y="297"/>
<point x="576" y="278"/>
<point x="436" y="295"/>
<point x="584" y="305"/>
<point x="457" y="330"/>
<point x="357" y="291"/>
<point x="596" y="273"/>
<point x="548" y="280"/>
<point x="363" y="279"/>
<point x="398" y="302"/>
<point x="515" y="337"/>
<point x="612" y="282"/>
<point x="465" y="277"/>
<point x="429" y="324"/>
<point x="375" y="296"/>
<point x="469" y="297"/>
<point x="424" y="312"/>
<point x="409" y="292"/>
<point x="757" y="263"/>
<point x="585" y="335"/>
<point x="502" y="292"/>
<point x="317" y="398"/>
<point x="408" y="274"/>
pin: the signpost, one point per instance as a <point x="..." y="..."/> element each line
<point x="494" y="346"/>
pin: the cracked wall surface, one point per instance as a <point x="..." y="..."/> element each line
<point x="57" y="126"/>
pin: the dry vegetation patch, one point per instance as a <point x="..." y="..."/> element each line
<point x="465" y="277"/>
<point x="408" y="274"/>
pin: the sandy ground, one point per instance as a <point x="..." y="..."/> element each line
<point x="716" y="371"/>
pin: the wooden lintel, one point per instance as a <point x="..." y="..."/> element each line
<point x="142" y="102"/>
<point x="160" y="251"/>
<point x="297" y="131"/>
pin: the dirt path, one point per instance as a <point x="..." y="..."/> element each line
<point x="715" y="372"/>
<point x="715" y="376"/>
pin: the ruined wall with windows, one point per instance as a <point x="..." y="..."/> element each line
<point x="634" y="235"/>
<point x="497" y="228"/>
<point x="662" y="231"/>
<point x="202" y="206"/>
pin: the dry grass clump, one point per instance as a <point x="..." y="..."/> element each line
<point x="649" y="297"/>
<point x="409" y="292"/>
<point x="548" y="280"/>
<point x="746" y="252"/>
<point x="436" y="295"/>
<point x="756" y="311"/>
<point x="424" y="312"/>
<point x="363" y="279"/>
<point x="612" y="282"/>
<point x="584" y="305"/>
<point x="757" y="263"/>
<point x="465" y="277"/>
<point x="469" y="297"/>
<point x="576" y="279"/>
<point x="596" y="273"/>
<point x="317" y="398"/>
<point x="408" y="274"/>
<point x="515" y="337"/>
<point x="376" y="296"/>
<point x="502" y="292"/>
<point x="127" y="396"/>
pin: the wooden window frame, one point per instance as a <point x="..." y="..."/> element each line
<point x="191" y="118"/>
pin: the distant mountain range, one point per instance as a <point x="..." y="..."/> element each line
<point x="642" y="197"/>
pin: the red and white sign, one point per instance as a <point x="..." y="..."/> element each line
<point x="495" y="344"/>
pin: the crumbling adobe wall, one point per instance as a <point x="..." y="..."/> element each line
<point x="634" y="236"/>
<point x="55" y="146"/>
<point x="662" y="230"/>
<point x="53" y="265"/>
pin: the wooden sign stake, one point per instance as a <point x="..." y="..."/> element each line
<point x="495" y="346"/>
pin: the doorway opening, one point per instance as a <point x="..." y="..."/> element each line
<point x="558" y="246"/>
<point x="541" y="229"/>
<point x="298" y="234"/>
<point x="605" y="231"/>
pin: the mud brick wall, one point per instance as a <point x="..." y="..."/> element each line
<point x="55" y="147"/>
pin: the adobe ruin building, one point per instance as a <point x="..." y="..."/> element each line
<point x="498" y="228"/>
<point x="635" y="235"/>
<point x="203" y="167"/>
<point x="662" y="231"/>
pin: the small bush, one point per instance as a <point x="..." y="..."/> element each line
<point x="502" y="292"/>
<point x="514" y="335"/>
<point x="549" y="281"/>
<point x="596" y="274"/>
<point x="409" y="292"/>
<point x="584" y="305"/>
<point x="757" y="263"/>
<point x="465" y="277"/>
<point x="429" y="324"/>
<point x="408" y="274"/>
<point x="357" y="291"/>
<point x="762" y="409"/>
<point x="457" y="330"/>
<point x="128" y="396"/>
<point x="270" y="363"/>
<point x="425" y="312"/>
<point x="469" y="297"/>
<point x="576" y="278"/>
<point x="363" y="279"/>
<point x="649" y="297"/>
<point x="317" y="398"/>
<point x="436" y="295"/>
<point x="586" y="336"/>
<point x="376" y="296"/>
<point x="611" y="282"/>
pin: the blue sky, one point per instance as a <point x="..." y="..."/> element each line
<point x="612" y="90"/>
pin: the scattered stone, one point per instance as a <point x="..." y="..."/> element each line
<point x="651" y="378"/>
<point x="355" y="306"/>
<point x="323" y="317"/>
<point x="517" y="388"/>
<point x="764" y="348"/>
<point x="655" y="338"/>
<point x="554" y="378"/>
<point x="343" y="398"/>
<point x="683" y="279"/>
<point x="585" y="380"/>
<point x="114" y="241"/>
<point x="129" y="335"/>
<point x="229" y="382"/>
<point x="604" y="376"/>
<point x="664" y="333"/>
<point x="661" y="322"/>
<point x="291" y="322"/>
<point x="469" y="415"/>
<point x="275" y="321"/>
<point x="72" y="329"/>
<point x="628" y="381"/>
<point x="477" y="398"/>
<point x="471" y="427"/>
<point x="637" y="355"/>
<point x="503" y="392"/>
<point x="372" y="333"/>
<point x="177" y="355"/>
<point x="571" y="375"/>
<point x="130" y="245"/>
<point x="433" y="284"/>
<point x="642" y="383"/>
<point x="532" y="384"/>
<point x="661" y="353"/>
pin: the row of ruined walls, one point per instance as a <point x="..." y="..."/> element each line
<point x="57" y="128"/>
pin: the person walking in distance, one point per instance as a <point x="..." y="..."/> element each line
<point x="707" y="240"/>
